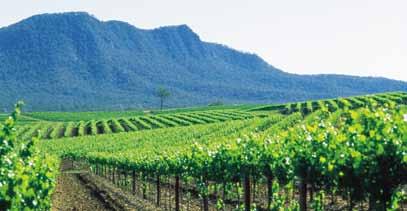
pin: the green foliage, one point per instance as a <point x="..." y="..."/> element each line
<point x="82" y="116"/>
<point x="359" y="153"/>
<point x="81" y="128"/>
<point x="282" y="202"/>
<point x="318" y="203"/>
<point x="398" y="197"/>
<point x="332" y="105"/>
<point x="27" y="177"/>
<point x="163" y="94"/>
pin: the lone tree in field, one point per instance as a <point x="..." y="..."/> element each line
<point x="163" y="94"/>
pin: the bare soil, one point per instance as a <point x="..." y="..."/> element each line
<point x="72" y="194"/>
<point x="79" y="190"/>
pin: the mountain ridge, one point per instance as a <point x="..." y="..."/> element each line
<point x="73" y="61"/>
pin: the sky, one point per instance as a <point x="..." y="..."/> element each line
<point x="354" y="37"/>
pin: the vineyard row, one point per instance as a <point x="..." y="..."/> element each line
<point x="53" y="130"/>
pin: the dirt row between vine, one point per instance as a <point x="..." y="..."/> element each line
<point x="79" y="190"/>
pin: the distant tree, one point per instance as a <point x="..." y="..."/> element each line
<point x="163" y="94"/>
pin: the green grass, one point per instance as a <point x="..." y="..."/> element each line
<point x="22" y="120"/>
<point x="84" y="116"/>
<point x="3" y="117"/>
<point x="97" y="115"/>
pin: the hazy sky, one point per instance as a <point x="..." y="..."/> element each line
<point x="357" y="37"/>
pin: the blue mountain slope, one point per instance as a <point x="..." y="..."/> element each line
<point x="73" y="61"/>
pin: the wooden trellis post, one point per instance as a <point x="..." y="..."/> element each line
<point x="177" y="208"/>
<point x="269" y="191"/>
<point x="158" y="190"/>
<point x="247" y="192"/>
<point x="303" y="194"/>
<point x="133" y="186"/>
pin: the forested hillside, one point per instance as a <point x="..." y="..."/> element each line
<point x="73" y="61"/>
